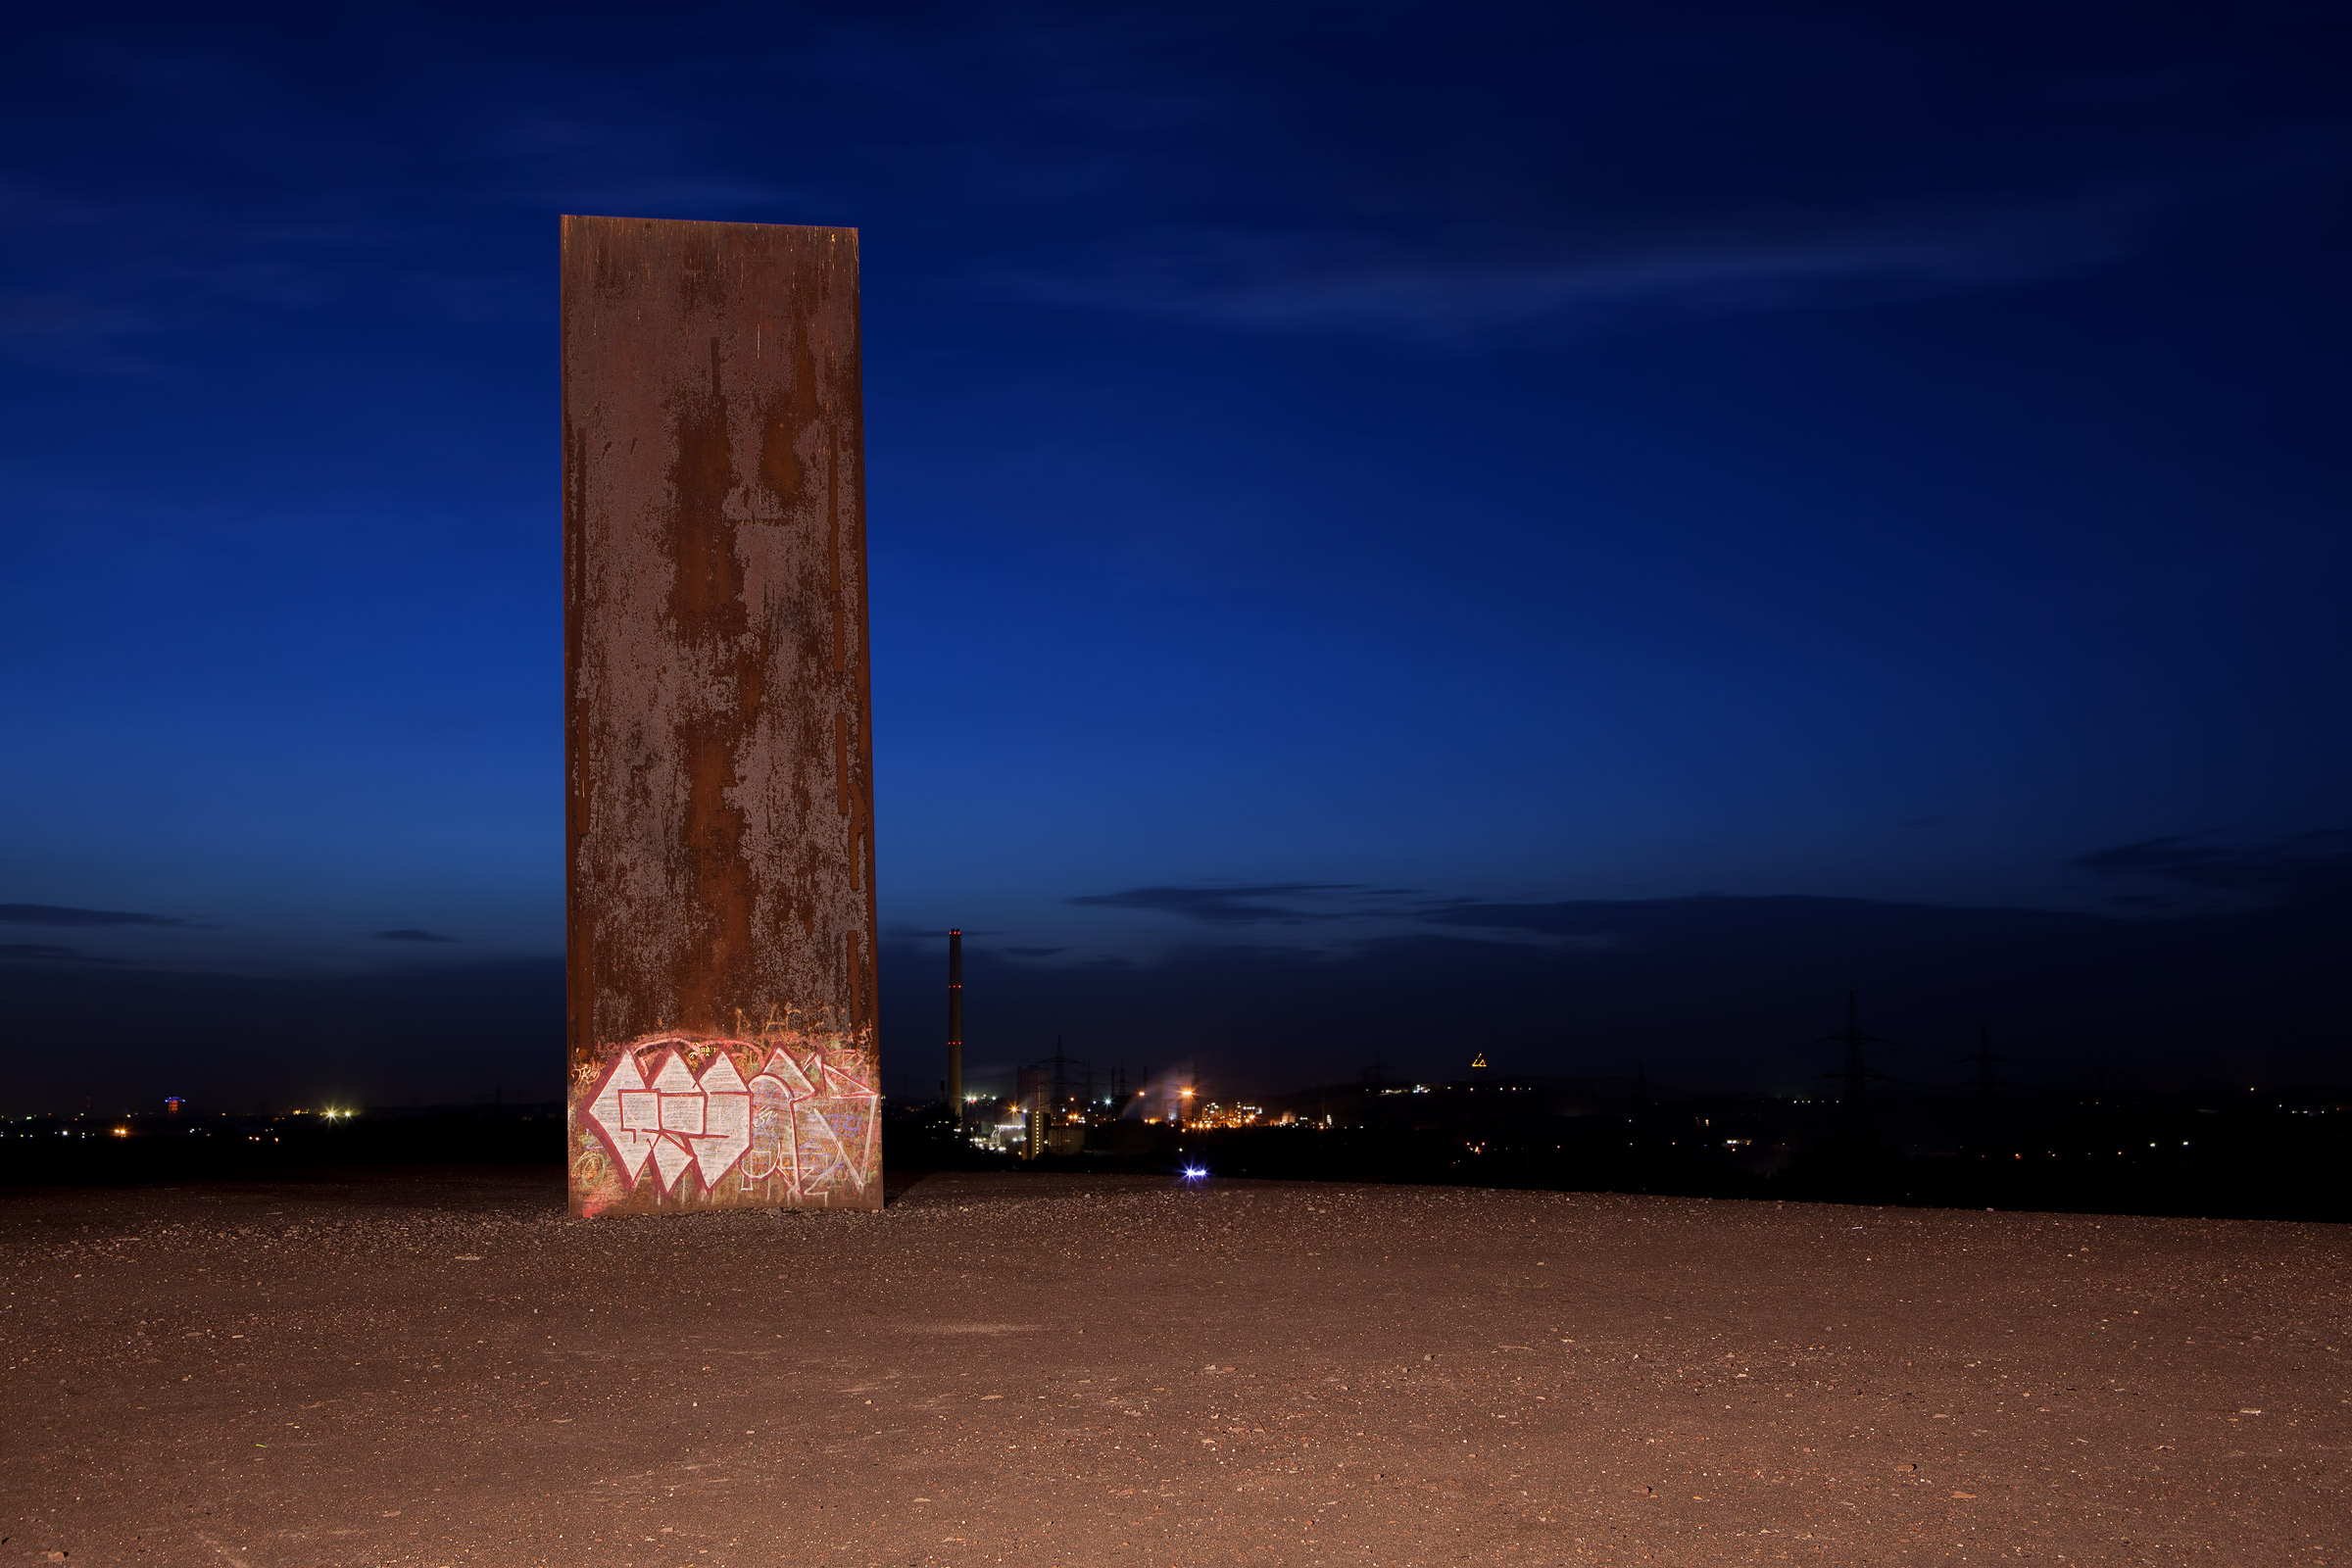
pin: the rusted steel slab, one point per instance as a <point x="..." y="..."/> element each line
<point x="718" y="745"/>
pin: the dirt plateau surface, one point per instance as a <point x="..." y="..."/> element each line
<point x="442" y="1367"/>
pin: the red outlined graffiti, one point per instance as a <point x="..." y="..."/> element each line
<point x="703" y="1122"/>
<point x="673" y="1118"/>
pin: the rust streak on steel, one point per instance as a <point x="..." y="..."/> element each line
<point x="717" y="719"/>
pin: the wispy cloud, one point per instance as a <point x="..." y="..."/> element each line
<point x="59" y="914"/>
<point x="1245" y="904"/>
<point x="1262" y="168"/>
<point x="43" y="952"/>
<point x="1345" y="910"/>
<point x="2305" y="863"/>
<point x="1450" y="280"/>
<point x="110" y="294"/>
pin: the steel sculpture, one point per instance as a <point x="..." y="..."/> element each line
<point x="717" y="737"/>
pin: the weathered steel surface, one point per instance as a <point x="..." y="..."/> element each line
<point x="719" y="752"/>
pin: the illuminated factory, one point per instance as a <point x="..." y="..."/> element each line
<point x="1057" y="1107"/>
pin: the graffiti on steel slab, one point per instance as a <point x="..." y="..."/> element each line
<point x="789" y="1116"/>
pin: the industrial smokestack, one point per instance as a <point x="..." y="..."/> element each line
<point x="956" y="1022"/>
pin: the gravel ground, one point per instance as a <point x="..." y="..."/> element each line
<point x="441" y="1367"/>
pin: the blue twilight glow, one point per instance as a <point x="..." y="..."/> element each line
<point x="1579" y="532"/>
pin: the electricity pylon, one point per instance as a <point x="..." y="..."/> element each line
<point x="1854" y="1075"/>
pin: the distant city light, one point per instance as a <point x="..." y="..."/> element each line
<point x="1193" y="1173"/>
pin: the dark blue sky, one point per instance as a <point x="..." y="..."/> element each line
<point x="1347" y="484"/>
